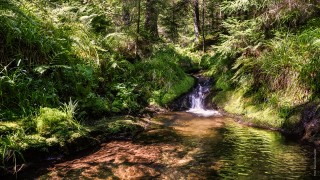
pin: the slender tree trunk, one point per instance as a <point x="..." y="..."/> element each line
<point x="151" y="21"/>
<point x="212" y="14"/>
<point x="173" y="23"/>
<point x="203" y="29"/>
<point x="126" y="12"/>
<point x="138" y="27"/>
<point x="196" y="19"/>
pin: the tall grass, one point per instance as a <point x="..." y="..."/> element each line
<point x="11" y="150"/>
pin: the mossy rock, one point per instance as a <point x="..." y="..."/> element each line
<point x="177" y="90"/>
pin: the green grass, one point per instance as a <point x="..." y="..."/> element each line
<point x="262" y="115"/>
<point x="177" y="90"/>
<point x="267" y="82"/>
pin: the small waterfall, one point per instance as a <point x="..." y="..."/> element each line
<point x="197" y="100"/>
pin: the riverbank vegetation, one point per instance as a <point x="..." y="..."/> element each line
<point x="267" y="64"/>
<point x="65" y="65"/>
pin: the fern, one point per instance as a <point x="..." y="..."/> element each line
<point x="11" y="5"/>
<point x="252" y="6"/>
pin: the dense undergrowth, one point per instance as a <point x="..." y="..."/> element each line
<point x="64" y="66"/>
<point x="266" y="66"/>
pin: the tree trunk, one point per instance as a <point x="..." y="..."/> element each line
<point x="174" y="32"/>
<point x="151" y="21"/>
<point x="138" y="27"/>
<point x="196" y="19"/>
<point x="126" y="12"/>
<point x="212" y="16"/>
<point x="203" y="19"/>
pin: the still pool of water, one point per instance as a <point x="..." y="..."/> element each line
<point x="181" y="145"/>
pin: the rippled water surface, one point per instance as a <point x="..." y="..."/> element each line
<point x="228" y="149"/>
<point x="181" y="145"/>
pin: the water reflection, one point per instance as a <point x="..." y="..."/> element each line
<point x="229" y="150"/>
<point x="249" y="152"/>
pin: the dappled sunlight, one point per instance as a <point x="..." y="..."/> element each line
<point x="183" y="145"/>
<point x="124" y="160"/>
<point x="89" y="89"/>
<point x="172" y="152"/>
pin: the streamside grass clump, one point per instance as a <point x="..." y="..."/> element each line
<point x="11" y="151"/>
<point x="38" y="133"/>
<point x="52" y="120"/>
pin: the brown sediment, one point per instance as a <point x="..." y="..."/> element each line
<point x="124" y="160"/>
<point x="166" y="157"/>
<point x="191" y="125"/>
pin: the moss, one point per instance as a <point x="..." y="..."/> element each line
<point x="9" y="127"/>
<point x="119" y="126"/>
<point x="177" y="90"/>
<point x="259" y="114"/>
<point x="52" y="120"/>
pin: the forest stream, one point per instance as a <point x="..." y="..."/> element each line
<point x="193" y="144"/>
<point x="159" y="89"/>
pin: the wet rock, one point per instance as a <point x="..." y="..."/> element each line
<point x="309" y="126"/>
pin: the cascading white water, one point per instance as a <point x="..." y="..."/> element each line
<point x="197" y="98"/>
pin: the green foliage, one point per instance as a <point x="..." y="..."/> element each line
<point x="126" y="98"/>
<point x="174" y="92"/>
<point x="267" y="59"/>
<point x="241" y="35"/>
<point x="292" y="64"/>
<point x="172" y="18"/>
<point x="163" y="76"/>
<point x="120" y="43"/>
<point x="275" y="75"/>
<point x="244" y="5"/>
<point x="93" y="106"/>
<point x="66" y="50"/>
<point x="100" y="23"/>
<point x="11" y="150"/>
<point x="51" y="120"/>
<point x="20" y="86"/>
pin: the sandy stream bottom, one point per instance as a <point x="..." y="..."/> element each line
<point x="167" y="151"/>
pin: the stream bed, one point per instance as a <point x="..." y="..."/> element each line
<point x="182" y="145"/>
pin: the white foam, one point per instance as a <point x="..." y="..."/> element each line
<point x="197" y="98"/>
<point x="203" y="112"/>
